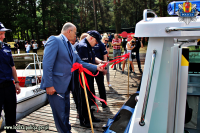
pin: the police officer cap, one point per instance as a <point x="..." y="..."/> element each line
<point x="95" y="34"/>
<point x="2" y="28"/>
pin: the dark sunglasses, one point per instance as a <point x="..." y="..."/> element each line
<point x="106" y="40"/>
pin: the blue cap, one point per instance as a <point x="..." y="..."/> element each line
<point x="95" y="34"/>
<point x="2" y="28"/>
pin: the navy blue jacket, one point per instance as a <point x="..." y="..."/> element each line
<point x="6" y="63"/>
<point x="100" y="50"/>
<point x="86" y="52"/>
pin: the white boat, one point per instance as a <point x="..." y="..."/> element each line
<point x="31" y="97"/>
<point x="169" y="97"/>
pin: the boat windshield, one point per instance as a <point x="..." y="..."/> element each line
<point x="194" y="59"/>
<point x="192" y="115"/>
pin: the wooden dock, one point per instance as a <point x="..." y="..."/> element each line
<point x="116" y="97"/>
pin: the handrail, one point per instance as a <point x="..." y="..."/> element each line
<point x="35" y="69"/>
<point x="142" y="123"/>
<point x="184" y="40"/>
<point x="24" y="54"/>
<point x="169" y="29"/>
<point x="148" y="11"/>
<point x="33" y="63"/>
<point x="35" y="57"/>
<point x="39" y="65"/>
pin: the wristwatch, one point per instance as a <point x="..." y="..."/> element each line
<point x="16" y="82"/>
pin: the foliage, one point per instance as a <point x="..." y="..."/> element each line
<point x="38" y="19"/>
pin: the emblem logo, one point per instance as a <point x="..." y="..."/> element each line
<point x="2" y="25"/>
<point x="187" y="12"/>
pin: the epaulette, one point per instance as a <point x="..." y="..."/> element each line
<point x="7" y="44"/>
<point x="82" y="44"/>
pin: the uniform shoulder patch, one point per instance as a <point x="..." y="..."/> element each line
<point x="6" y="44"/>
<point x="83" y="45"/>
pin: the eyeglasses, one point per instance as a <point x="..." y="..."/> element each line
<point x="74" y="32"/>
<point x="106" y="40"/>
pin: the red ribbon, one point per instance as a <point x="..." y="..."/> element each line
<point x="117" y="60"/>
<point x="78" y="66"/>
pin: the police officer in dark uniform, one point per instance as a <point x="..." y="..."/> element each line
<point x="87" y="54"/>
<point x="101" y="53"/>
<point x="7" y="89"/>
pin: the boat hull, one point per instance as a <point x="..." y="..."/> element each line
<point x="29" y="100"/>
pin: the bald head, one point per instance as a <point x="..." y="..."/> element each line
<point x="67" y="26"/>
<point x="69" y="31"/>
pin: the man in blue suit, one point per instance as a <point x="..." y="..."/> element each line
<point x="57" y="80"/>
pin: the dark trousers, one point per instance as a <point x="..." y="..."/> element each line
<point x="83" y="114"/>
<point x="138" y="61"/>
<point x="76" y="91"/>
<point x="35" y="51"/>
<point x="8" y="101"/>
<point x="15" y="49"/>
<point x="101" y="87"/>
<point x="61" y="108"/>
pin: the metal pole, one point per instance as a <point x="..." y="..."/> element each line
<point x="128" y="76"/>
<point x="86" y="98"/>
<point x="35" y="69"/>
<point x="142" y="119"/>
<point x="169" y="29"/>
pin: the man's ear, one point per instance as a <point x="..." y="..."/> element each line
<point x="90" y="38"/>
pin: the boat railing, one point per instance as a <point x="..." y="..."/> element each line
<point x="24" y="54"/>
<point x="142" y="120"/>
<point x="148" y="11"/>
<point x="36" y="76"/>
<point x="169" y="29"/>
<point x="36" y="61"/>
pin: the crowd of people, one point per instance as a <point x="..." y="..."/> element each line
<point x="60" y="53"/>
<point x="26" y="45"/>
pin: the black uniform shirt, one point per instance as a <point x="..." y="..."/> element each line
<point x="100" y="50"/>
<point x="6" y="62"/>
<point x="86" y="52"/>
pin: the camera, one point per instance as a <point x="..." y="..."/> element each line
<point x="1" y="44"/>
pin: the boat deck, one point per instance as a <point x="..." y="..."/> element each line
<point x="116" y="96"/>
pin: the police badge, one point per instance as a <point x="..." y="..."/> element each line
<point x="187" y="12"/>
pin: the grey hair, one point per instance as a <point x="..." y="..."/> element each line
<point x="67" y="26"/>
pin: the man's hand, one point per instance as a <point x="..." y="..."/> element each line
<point x="17" y="88"/>
<point x="103" y="62"/>
<point x="100" y="68"/>
<point x="113" y="44"/>
<point x="118" y="44"/>
<point x="50" y="90"/>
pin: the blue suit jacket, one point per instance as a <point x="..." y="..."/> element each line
<point x="57" y="64"/>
